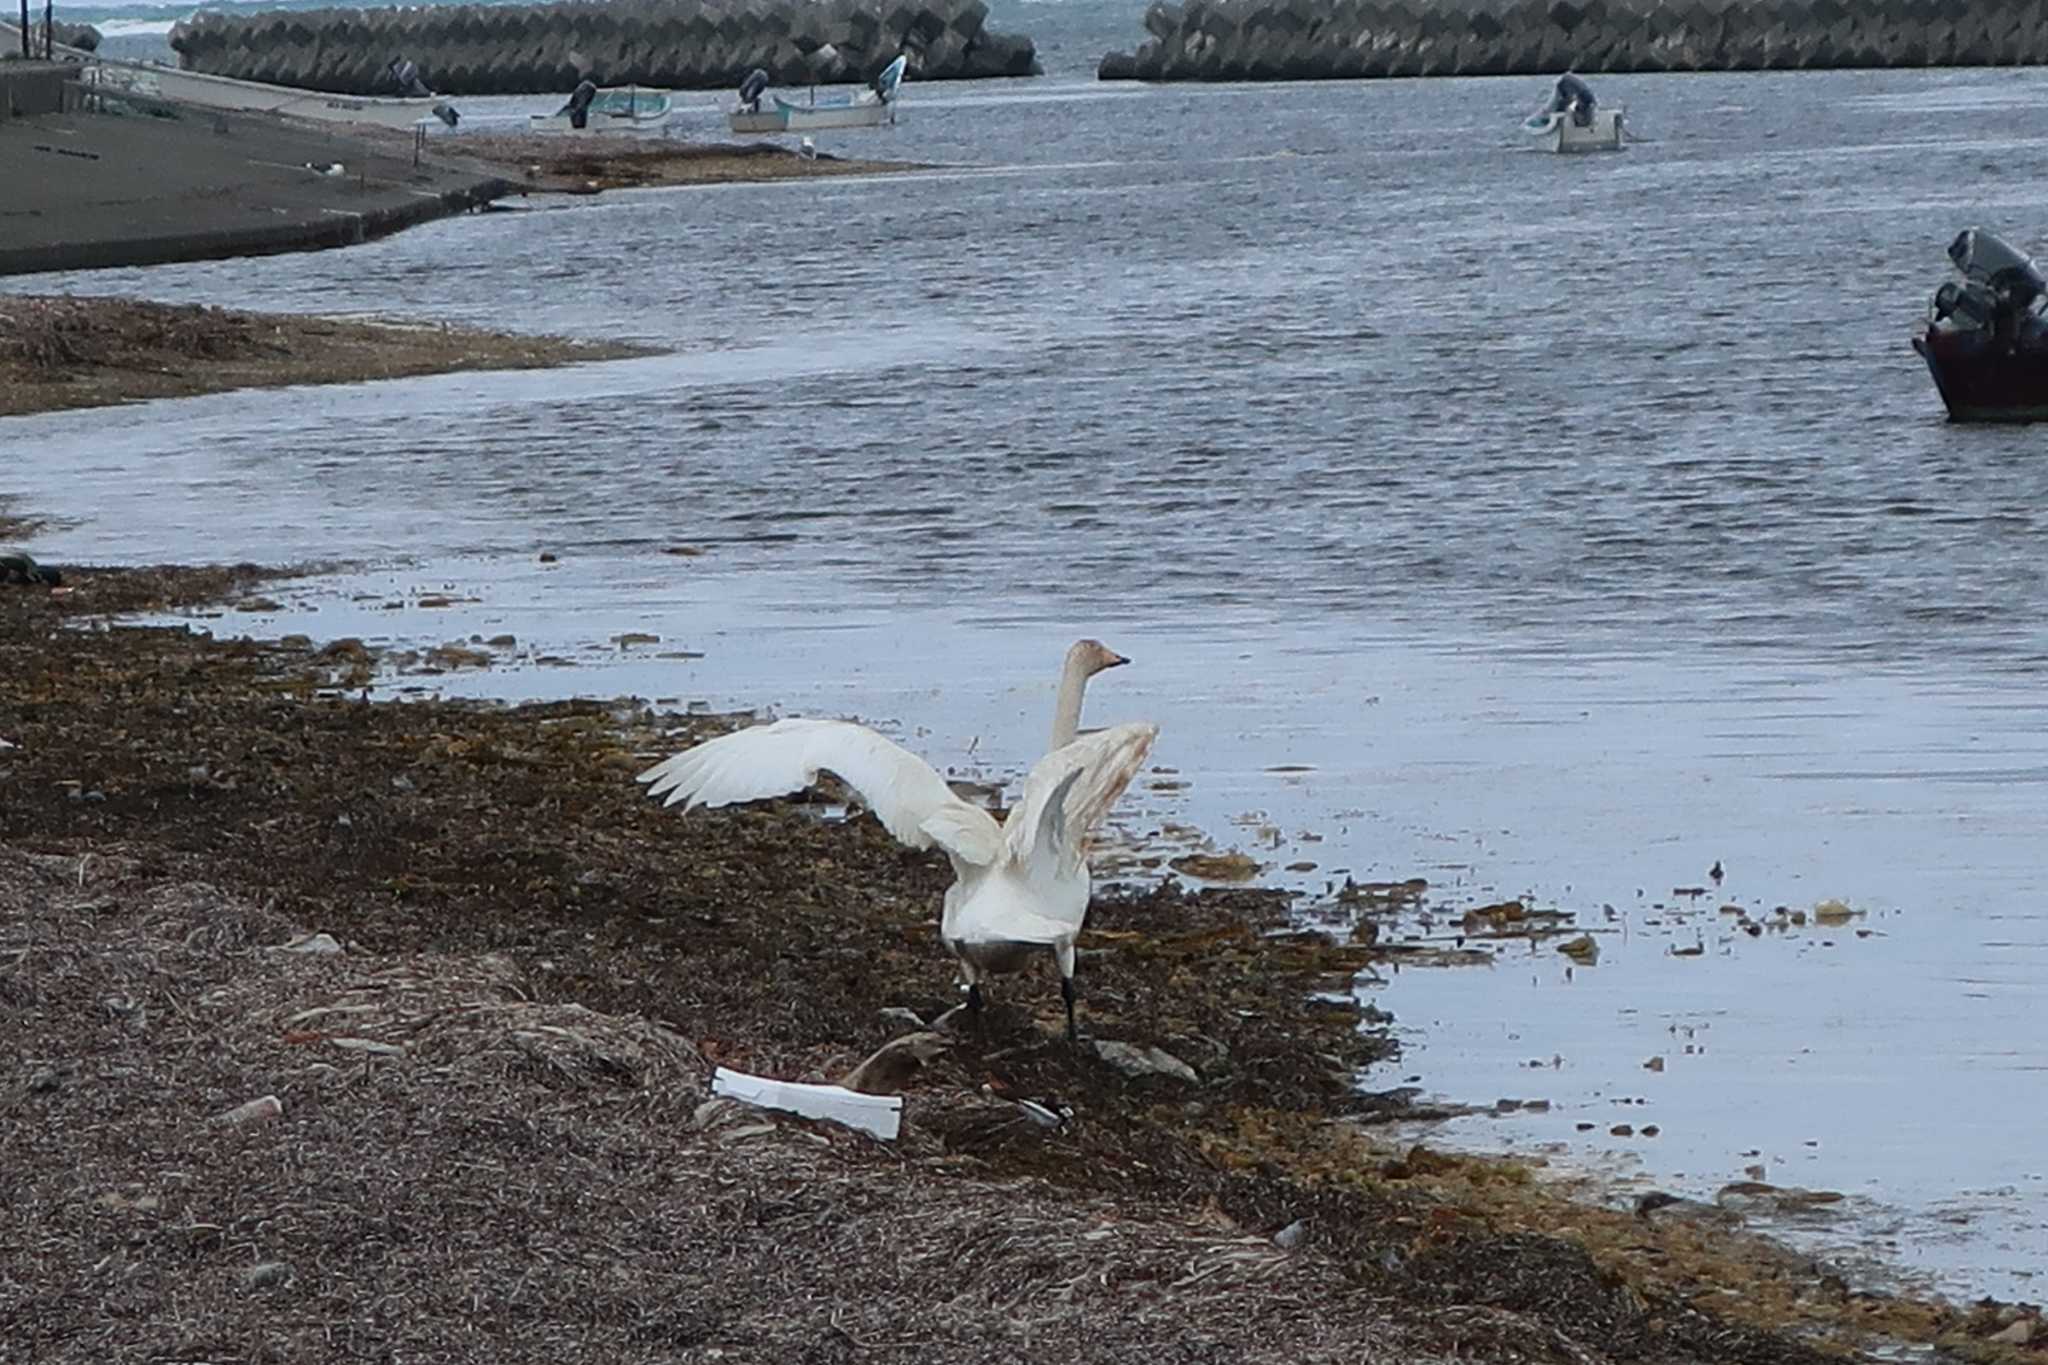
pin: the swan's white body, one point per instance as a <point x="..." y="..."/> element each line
<point x="1019" y="888"/>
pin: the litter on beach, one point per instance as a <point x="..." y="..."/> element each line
<point x="878" y="1115"/>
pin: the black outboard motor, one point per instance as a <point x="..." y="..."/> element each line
<point x="1573" y="97"/>
<point x="1999" y="297"/>
<point x="2009" y="273"/>
<point x="752" y="88"/>
<point x="1970" y="305"/>
<point x="406" y="76"/>
<point x="580" y="100"/>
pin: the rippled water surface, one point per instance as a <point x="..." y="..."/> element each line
<point x="1536" y="525"/>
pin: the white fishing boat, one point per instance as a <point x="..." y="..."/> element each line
<point x="108" y="76"/>
<point x="1574" y="122"/>
<point x="607" y="109"/>
<point x="869" y="107"/>
<point x="225" y="92"/>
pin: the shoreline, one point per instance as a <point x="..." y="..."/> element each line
<point x="97" y="191"/>
<point x="771" y="941"/>
<point x="67" y="352"/>
<point x="592" y="164"/>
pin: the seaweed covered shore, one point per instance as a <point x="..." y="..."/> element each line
<point x="340" y="1028"/>
<point x="66" y="351"/>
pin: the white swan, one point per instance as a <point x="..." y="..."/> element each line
<point x="1019" y="888"/>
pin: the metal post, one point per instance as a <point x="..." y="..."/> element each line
<point x="49" y="33"/>
<point x="26" y="50"/>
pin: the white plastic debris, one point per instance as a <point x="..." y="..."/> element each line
<point x="318" y="945"/>
<point x="264" y="1107"/>
<point x="879" y="1115"/>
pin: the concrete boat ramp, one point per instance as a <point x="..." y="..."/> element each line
<point x="92" y="183"/>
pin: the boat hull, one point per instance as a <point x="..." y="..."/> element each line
<point x="223" y="92"/>
<point x="756" y="121"/>
<point x="150" y="79"/>
<point x="1982" y="380"/>
<point x="1560" y="134"/>
<point x="811" y="118"/>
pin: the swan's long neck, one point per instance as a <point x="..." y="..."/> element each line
<point x="1066" y="711"/>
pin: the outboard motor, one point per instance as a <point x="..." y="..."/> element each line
<point x="580" y="100"/>
<point x="1970" y="305"/>
<point x="2009" y="274"/>
<point x="406" y="76"/>
<point x="1575" y="98"/>
<point x="752" y="88"/>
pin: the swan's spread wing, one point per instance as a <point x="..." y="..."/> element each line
<point x="966" y="831"/>
<point x="913" y="802"/>
<point x="1069" y="790"/>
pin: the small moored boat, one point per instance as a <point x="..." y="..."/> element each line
<point x="607" y="109"/>
<point x="1986" y="341"/>
<point x="1573" y="121"/>
<point x="107" y="78"/>
<point x="869" y="107"/>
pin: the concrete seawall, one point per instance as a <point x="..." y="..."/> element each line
<point x="674" y="44"/>
<point x="1261" y="40"/>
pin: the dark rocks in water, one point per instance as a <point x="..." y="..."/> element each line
<point x="20" y="570"/>
<point x="1208" y="40"/>
<point x="1117" y="66"/>
<point x="672" y="44"/>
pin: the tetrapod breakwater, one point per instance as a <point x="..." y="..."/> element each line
<point x="1269" y="40"/>
<point x="674" y="44"/>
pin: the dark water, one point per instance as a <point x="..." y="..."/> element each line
<point x="1573" y="522"/>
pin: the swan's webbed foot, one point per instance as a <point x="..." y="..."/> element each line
<point x="1068" y="994"/>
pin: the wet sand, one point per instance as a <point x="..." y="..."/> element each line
<point x="539" y="967"/>
<point x="77" y="352"/>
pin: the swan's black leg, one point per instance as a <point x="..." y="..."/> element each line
<point x="1067" y="994"/>
<point x="974" y="1000"/>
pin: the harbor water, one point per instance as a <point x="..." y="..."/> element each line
<point x="1544" y="527"/>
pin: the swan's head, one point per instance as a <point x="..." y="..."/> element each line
<point x="1092" y="656"/>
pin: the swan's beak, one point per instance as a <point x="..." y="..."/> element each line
<point x="1115" y="660"/>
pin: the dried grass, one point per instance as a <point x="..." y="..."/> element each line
<point x="516" y="1180"/>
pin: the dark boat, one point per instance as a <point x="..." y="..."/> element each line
<point x="1986" y="342"/>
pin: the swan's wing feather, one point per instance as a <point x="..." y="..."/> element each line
<point x="966" y="831"/>
<point x="1070" y="789"/>
<point x="775" y="760"/>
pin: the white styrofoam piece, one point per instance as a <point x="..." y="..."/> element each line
<point x="881" y="1115"/>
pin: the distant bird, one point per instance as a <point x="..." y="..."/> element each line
<point x="1715" y="872"/>
<point x="18" y="568"/>
<point x="1020" y="888"/>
